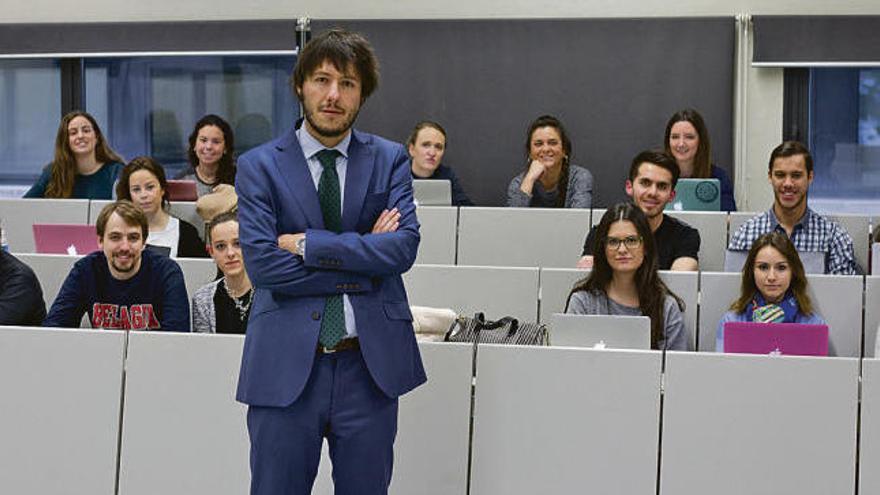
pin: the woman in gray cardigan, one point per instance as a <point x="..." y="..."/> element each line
<point x="223" y="306"/>
<point x="550" y="181"/>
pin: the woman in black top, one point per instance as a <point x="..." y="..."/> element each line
<point x="223" y="306"/>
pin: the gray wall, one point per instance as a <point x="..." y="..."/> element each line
<point x="612" y="82"/>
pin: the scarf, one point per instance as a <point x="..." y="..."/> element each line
<point x="785" y="311"/>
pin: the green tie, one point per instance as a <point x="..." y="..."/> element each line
<point x="333" y="323"/>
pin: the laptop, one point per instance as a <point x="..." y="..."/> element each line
<point x="182" y="190"/>
<point x="55" y="238"/>
<point x="432" y="192"/>
<point x="696" y="195"/>
<point x="813" y="261"/>
<point x="787" y="339"/>
<point x="600" y="331"/>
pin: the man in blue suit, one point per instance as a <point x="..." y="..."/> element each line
<point x="328" y="226"/>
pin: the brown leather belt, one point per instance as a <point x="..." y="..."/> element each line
<point x="343" y="345"/>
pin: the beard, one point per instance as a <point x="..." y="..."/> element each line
<point x="330" y="132"/>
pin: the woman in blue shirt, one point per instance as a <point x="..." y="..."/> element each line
<point x="774" y="287"/>
<point x="687" y="140"/>
<point x="85" y="167"/>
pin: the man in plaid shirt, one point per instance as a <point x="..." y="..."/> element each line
<point x="790" y="174"/>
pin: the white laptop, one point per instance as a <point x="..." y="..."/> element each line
<point x="432" y="192"/>
<point x="600" y="331"/>
<point x="813" y="261"/>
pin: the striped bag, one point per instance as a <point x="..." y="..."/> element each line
<point x="507" y="330"/>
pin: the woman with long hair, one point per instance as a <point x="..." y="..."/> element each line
<point x="223" y="306"/>
<point x="84" y="167"/>
<point x="143" y="183"/>
<point x="687" y="140"/>
<point x="773" y="289"/>
<point x="624" y="279"/>
<point x="549" y="179"/>
<point x="210" y="155"/>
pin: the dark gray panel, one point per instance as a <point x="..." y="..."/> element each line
<point x="785" y="40"/>
<point x="613" y="82"/>
<point x="148" y="37"/>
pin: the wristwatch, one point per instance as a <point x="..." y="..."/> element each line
<point x="301" y="246"/>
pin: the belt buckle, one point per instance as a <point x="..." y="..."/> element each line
<point x="326" y="350"/>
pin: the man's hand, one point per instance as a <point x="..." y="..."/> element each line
<point x="288" y="241"/>
<point x="388" y="221"/>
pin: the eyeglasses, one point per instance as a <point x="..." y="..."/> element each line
<point x="631" y="242"/>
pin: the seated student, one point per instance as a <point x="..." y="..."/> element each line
<point x="790" y="174"/>
<point x="774" y="287"/>
<point x="687" y="140"/>
<point x="210" y="155"/>
<point x="426" y="145"/>
<point x="651" y="185"/>
<point x="223" y="305"/>
<point x="549" y="180"/>
<point x="21" y="298"/>
<point x="624" y="279"/>
<point x="122" y="286"/>
<point x="143" y="183"/>
<point x="84" y="166"/>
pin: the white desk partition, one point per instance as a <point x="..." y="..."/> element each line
<point x="197" y="272"/>
<point x="563" y="420"/>
<point x="859" y="228"/>
<point x="17" y="217"/>
<point x="838" y="298"/>
<point x="872" y="314"/>
<point x="522" y="236"/>
<point x="51" y="270"/>
<point x="735" y="424"/>
<point x="439" y="232"/>
<point x="431" y="450"/>
<point x="183" y="432"/>
<point x="717" y="291"/>
<point x="60" y="410"/>
<point x="556" y="283"/>
<point x="495" y="291"/>
<point x="712" y="226"/>
<point x="869" y="446"/>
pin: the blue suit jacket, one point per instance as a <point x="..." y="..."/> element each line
<point x="276" y="195"/>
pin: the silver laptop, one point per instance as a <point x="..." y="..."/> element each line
<point x="813" y="261"/>
<point x="600" y="331"/>
<point x="431" y="192"/>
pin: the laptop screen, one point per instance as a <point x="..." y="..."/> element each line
<point x="794" y="339"/>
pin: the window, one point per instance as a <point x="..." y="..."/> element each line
<point x="30" y="91"/>
<point x="148" y="105"/>
<point x="843" y="132"/>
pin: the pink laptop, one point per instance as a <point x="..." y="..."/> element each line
<point x="789" y="339"/>
<point x="56" y="238"/>
<point x="182" y="190"/>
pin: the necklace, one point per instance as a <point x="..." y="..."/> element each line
<point x="242" y="307"/>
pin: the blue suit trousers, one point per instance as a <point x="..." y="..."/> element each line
<point x="341" y="403"/>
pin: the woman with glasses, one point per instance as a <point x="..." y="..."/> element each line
<point x="624" y="279"/>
